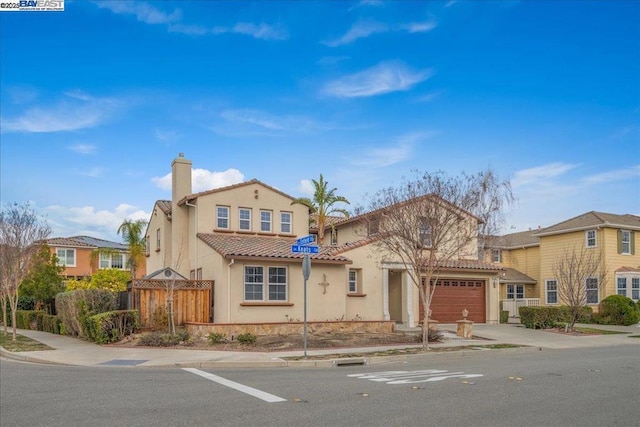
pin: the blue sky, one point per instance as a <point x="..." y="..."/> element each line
<point x="97" y="100"/>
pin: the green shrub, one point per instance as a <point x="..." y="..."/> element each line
<point x="111" y="326"/>
<point x="160" y="339"/>
<point x="75" y="307"/>
<point x="618" y="310"/>
<point x="28" y="319"/>
<point x="246" y="338"/>
<point x="50" y="324"/>
<point x="504" y="316"/>
<point x="216" y="337"/>
<point x="539" y="317"/>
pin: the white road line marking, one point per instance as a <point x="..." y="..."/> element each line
<point x="237" y="386"/>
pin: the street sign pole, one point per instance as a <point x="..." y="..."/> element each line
<point x="306" y="271"/>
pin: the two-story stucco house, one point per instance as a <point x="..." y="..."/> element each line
<point x="75" y="254"/>
<point x="529" y="259"/>
<point x="240" y="237"/>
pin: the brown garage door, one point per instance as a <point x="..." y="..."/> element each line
<point x="452" y="296"/>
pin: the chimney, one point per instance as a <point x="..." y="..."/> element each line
<point x="180" y="178"/>
<point x="180" y="187"/>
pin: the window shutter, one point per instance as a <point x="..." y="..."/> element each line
<point x="632" y="242"/>
<point x="619" y="241"/>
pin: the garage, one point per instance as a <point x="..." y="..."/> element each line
<point x="453" y="295"/>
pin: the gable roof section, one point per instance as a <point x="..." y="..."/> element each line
<point x="232" y="187"/>
<point x="590" y="220"/>
<point x="85" y="242"/>
<point x="264" y="248"/>
<point x="522" y="239"/>
<point x="469" y="264"/>
<point x="165" y="206"/>
<point x="512" y="275"/>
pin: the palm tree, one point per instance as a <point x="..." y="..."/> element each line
<point x="132" y="235"/>
<point x="322" y="205"/>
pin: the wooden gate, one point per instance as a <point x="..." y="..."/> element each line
<point x="192" y="300"/>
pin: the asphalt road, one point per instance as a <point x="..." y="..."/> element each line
<point x="585" y="387"/>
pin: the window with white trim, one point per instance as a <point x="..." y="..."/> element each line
<point x="625" y="242"/>
<point x="244" y="215"/>
<point x="112" y="261"/>
<point x="425" y="233"/>
<point x="621" y="288"/>
<point x="222" y="217"/>
<point x="254" y="283"/>
<point x="277" y="284"/>
<point x="157" y="239"/>
<point x="628" y="285"/>
<point x="373" y="226"/>
<point x="592" y="290"/>
<point x="515" y="291"/>
<point x="590" y="236"/>
<point x="551" y="288"/>
<point x="66" y="257"/>
<point x="496" y="255"/>
<point x="147" y="244"/>
<point x="353" y="281"/>
<point x="285" y="222"/>
<point x="334" y="236"/>
<point x="265" y="221"/>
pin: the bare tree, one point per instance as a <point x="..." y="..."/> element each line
<point x="579" y="275"/>
<point x="170" y="288"/>
<point x="431" y="220"/>
<point x="21" y="233"/>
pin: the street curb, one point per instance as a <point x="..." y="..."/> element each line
<point x="21" y="357"/>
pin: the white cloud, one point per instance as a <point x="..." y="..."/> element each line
<point x="95" y="172"/>
<point x="383" y="78"/>
<point x="75" y="111"/>
<point x="253" y="117"/>
<point x="203" y="180"/>
<point x="541" y="174"/>
<point x="306" y="187"/>
<point x="419" y="27"/>
<point x="274" y="124"/>
<point x="387" y="156"/>
<point x="615" y="175"/>
<point x="144" y="12"/>
<point x="357" y="31"/>
<point x="86" y="220"/>
<point x="83" y="148"/>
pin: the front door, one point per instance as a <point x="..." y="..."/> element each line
<point x="515" y="291"/>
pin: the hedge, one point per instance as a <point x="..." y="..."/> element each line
<point x="548" y="317"/>
<point x="36" y="320"/>
<point x="618" y="310"/>
<point x="75" y="307"/>
<point x="111" y="326"/>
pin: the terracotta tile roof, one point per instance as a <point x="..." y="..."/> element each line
<point x="336" y="220"/>
<point x="165" y="206"/>
<point x="470" y="264"/>
<point x="512" y="275"/>
<point x="590" y="220"/>
<point x="263" y="247"/>
<point x="85" y="242"/>
<point x="231" y="187"/>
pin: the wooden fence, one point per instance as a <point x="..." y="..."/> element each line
<point x="192" y="300"/>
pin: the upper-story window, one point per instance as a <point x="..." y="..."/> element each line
<point x="285" y="222"/>
<point x="334" y="236"/>
<point x="112" y="261"/>
<point x="591" y="238"/>
<point x="244" y="215"/>
<point x="496" y="255"/>
<point x="373" y="226"/>
<point x="222" y="217"/>
<point x="625" y="242"/>
<point x="147" y="244"/>
<point x="66" y="257"/>
<point x="265" y="221"/>
<point x="158" y="239"/>
<point x="425" y="233"/>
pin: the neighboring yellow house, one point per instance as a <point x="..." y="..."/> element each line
<point x="529" y="258"/>
<point x="240" y="237"/>
<point x="74" y="253"/>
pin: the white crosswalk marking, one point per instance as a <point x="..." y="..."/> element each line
<point x="412" y="377"/>
<point x="237" y="386"/>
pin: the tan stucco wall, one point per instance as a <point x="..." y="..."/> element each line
<point x="158" y="259"/>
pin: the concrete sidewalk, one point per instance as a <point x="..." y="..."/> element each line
<point x="72" y="351"/>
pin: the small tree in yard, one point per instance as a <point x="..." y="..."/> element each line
<point x="44" y="282"/>
<point x="21" y="231"/>
<point x="429" y="221"/>
<point x="579" y="274"/>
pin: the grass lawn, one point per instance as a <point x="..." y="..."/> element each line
<point x="595" y="331"/>
<point x="21" y="343"/>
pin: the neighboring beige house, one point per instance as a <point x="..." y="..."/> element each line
<point x="75" y="254"/>
<point x="240" y="237"/>
<point x="529" y="258"/>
